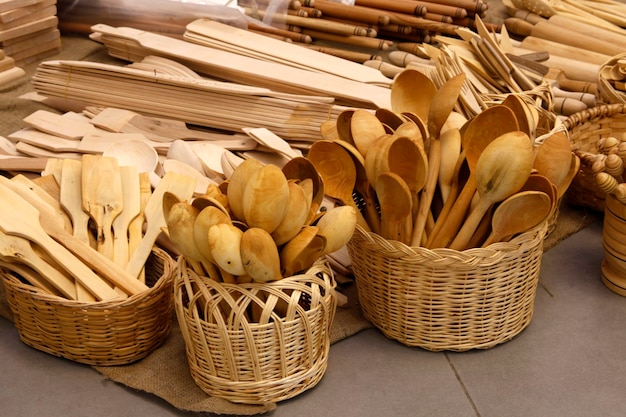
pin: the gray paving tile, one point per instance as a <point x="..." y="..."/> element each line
<point x="570" y="360"/>
<point x="370" y="375"/>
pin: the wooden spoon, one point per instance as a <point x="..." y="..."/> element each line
<point x="266" y="198"/>
<point x="338" y="172"/>
<point x="501" y="170"/>
<point x="259" y="255"/>
<point x="237" y="185"/>
<point x="395" y="206"/>
<point x="301" y="251"/>
<point x="300" y="169"/>
<point x="297" y="213"/>
<point x="553" y="157"/>
<point x="390" y="118"/>
<point x="562" y="187"/>
<point x="337" y="226"/>
<point x="477" y="135"/>
<point x="412" y="91"/>
<point x="450" y="151"/>
<point x="517" y="214"/>
<point x="343" y="125"/>
<point x="102" y="197"/>
<point x="441" y="106"/>
<point x="363" y="187"/>
<point x="365" y="129"/>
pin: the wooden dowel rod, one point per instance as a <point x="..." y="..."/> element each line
<point x="361" y="41"/>
<point x="296" y="37"/>
<point x="402" y="6"/>
<point x="312" y="11"/>
<point x="443" y="9"/>
<point x="403" y="29"/>
<point x="421" y="23"/>
<point x="436" y="17"/>
<point x="359" y="13"/>
<point x="313" y="23"/>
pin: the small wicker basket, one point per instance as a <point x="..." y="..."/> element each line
<point x="442" y="299"/>
<point x="100" y="333"/>
<point x="256" y="343"/>
<point x="585" y="128"/>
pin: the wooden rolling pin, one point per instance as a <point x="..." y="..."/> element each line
<point x="550" y="31"/>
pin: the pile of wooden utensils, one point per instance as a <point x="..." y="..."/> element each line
<point x="85" y="228"/>
<point x="425" y="176"/>
<point x="607" y="164"/>
<point x="262" y="225"/>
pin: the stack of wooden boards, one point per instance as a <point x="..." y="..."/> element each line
<point x="9" y="72"/>
<point x="28" y="29"/>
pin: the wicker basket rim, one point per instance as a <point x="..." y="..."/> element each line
<point x="10" y="279"/>
<point x="492" y="252"/>
<point x="603" y="110"/>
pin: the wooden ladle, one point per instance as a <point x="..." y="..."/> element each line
<point x="501" y="170"/>
<point x="517" y="214"/>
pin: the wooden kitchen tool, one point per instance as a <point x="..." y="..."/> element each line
<point x="180" y="185"/>
<point x="16" y="249"/>
<point x="22" y="219"/>
<point x="102" y="197"/>
<point x="131" y="203"/>
<point x="98" y="263"/>
<point x="243" y="69"/>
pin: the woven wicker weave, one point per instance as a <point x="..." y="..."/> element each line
<point x="443" y="299"/>
<point x="102" y="333"/>
<point x="278" y="356"/>
<point x="585" y="128"/>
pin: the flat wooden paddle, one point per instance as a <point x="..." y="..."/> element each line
<point x="96" y="261"/>
<point x="22" y="219"/>
<point x="16" y="249"/>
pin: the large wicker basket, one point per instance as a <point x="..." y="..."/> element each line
<point x="585" y="128"/>
<point x="96" y="333"/>
<point x="244" y="357"/>
<point x="442" y="299"/>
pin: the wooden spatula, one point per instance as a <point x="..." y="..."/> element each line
<point x="132" y="206"/>
<point x="71" y="199"/>
<point x="22" y="219"/>
<point x="96" y="261"/>
<point x="16" y="249"/>
<point x="102" y="197"/>
<point x="178" y="184"/>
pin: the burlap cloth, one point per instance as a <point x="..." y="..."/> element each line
<point x="165" y="373"/>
